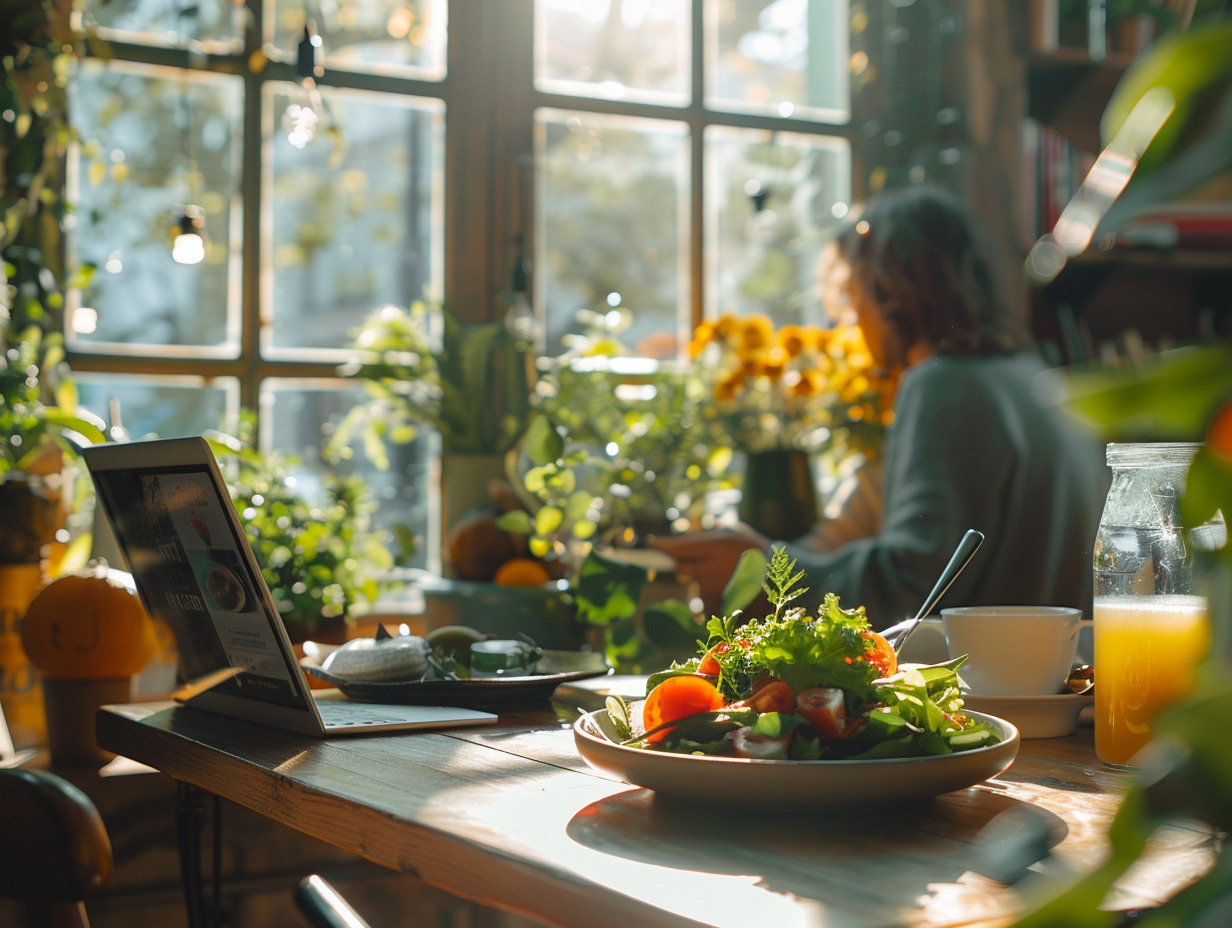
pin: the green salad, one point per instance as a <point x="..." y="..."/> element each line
<point x="793" y="686"/>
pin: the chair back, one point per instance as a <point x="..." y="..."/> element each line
<point x="55" y="851"/>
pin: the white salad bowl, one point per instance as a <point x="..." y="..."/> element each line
<point x="810" y="783"/>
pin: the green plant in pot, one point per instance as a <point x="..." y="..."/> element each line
<point x="40" y="425"/>
<point x="320" y="558"/>
<point x="615" y="450"/>
<point x="39" y="429"/>
<point x="424" y="368"/>
<point x="473" y="389"/>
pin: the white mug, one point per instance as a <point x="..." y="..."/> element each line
<point x="1013" y="650"/>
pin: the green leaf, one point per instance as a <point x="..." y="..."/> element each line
<point x="547" y="520"/>
<point x="515" y="522"/>
<point x="84" y="427"/>
<point x="1191" y="65"/>
<point x="745" y="582"/>
<point x="578" y="505"/>
<point x="544" y="444"/>
<point x="1208" y="488"/>
<point x="618" y="712"/>
<point x="608" y="591"/>
<point x="584" y="529"/>
<point x="782" y="579"/>
<point x="535" y="479"/>
<point x="670" y="625"/>
<point x="1171" y="399"/>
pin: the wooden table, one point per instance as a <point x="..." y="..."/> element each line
<point x="512" y="817"/>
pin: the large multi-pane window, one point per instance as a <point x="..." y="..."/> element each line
<point x="677" y="158"/>
<point x="689" y="159"/>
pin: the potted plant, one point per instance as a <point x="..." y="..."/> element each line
<point x="319" y="557"/>
<point x="614" y="451"/>
<point x="471" y="384"/>
<point x="1134" y="24"/>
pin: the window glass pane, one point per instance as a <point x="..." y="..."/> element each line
<point x="778" y="57"/>
<point x="163" y="407"/>
<point x="404" y="37"/>
<point x="156" y="142"/>
<point x="212" y="23"/>
<point x="353" y="216"/>
<point x="611" y="209"/>
<point x="772" y="200"/>
<point x="297" y="414"/>
<point x="631" y="50"/>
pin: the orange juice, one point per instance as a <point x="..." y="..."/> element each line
<point x="1146" y="649"/>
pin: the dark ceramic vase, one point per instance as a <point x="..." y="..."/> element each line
<point x="779" y="498"/>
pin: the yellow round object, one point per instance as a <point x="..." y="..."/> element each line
<point x="88" y="626"/>
<point x="522" y="571"/>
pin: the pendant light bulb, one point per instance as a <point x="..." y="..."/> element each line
<point x="188" y="245"/>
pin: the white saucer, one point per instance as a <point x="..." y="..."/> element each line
<point x="1034" y="716"/>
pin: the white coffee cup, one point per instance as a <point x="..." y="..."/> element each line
<point x="1013" y="650"/>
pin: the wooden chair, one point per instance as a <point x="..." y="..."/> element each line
<point x="324" y="907"/>
<point x="54" y="851"/>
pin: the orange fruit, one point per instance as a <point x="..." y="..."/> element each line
<point x="477" y="547"/>
<point x="88" y="626"/>
<point x="521" y="571"/>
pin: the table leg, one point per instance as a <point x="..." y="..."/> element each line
<point x="190" y="823"/>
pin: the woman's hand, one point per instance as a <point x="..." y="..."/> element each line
<point x="708" y="558"/>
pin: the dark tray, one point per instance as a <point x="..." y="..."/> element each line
<point x="555" y="668"/>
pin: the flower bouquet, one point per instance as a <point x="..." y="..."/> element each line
<point x="798" y="387"/>
<point x="784" y="397"/>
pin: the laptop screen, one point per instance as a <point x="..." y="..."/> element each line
<point x="178" y="533"/>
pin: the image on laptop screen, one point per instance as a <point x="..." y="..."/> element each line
<point x="187" y="564"/>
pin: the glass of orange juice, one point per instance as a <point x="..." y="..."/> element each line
<point x="1146" y="652"/>
<point x="1151" y="629"/>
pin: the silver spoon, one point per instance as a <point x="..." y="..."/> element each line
<point x="966" y="549"/>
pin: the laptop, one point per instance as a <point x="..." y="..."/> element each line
<point x="174" y="522"/>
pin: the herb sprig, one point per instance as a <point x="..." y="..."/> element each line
<point x="780" y="584"/>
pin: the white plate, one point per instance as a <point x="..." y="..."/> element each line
<point x="1034" y="716"/>
<point x="728" y="781"/>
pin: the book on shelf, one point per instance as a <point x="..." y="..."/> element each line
<point x="1197" y="226"/>
<point x="1053" y="170"/>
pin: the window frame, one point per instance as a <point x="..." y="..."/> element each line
<point x="490" y="101"/>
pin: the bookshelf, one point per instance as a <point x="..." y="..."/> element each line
<point x="1165" y="282"/>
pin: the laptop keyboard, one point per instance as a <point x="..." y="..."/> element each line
<point x="355" y="714"/>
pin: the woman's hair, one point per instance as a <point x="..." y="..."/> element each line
<point x="914" y="253"/>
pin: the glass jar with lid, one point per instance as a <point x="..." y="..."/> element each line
<point x="1151" y="625"/>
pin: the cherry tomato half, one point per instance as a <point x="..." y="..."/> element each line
<point x="882" y="656"/>
<point x="677" y="697"/>
<point x="824" y="708"/>
<point x="710" y="665"/>
<point x="774" y="696"/>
